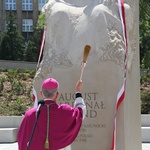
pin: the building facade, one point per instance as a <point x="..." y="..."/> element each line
<point x="25" y="11"/>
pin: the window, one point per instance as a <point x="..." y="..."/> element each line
<point x="27" y="25"/>
<point x="27" y="5"/>
<point x="10" y="5"/>
<point x="41" y="3"/>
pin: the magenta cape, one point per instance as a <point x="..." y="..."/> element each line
<point x="65" y="123"/>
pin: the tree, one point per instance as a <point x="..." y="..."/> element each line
<point x="12" y="42"/>
<point x="1" y="36"/>
<point x="145" y="33"/>
<point x="33" y="45"/>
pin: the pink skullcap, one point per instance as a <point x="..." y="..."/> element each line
<point x="50" y="84"/>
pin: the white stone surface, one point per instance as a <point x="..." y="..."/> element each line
<point x="9" y="146"/>
<point x="145" y="123"/>
<point x="8" y="134"/>
<point x="145" y="120"/>
<point x="145" y="146"/>
<point x="10" y="121"/>
<point x="146" y="134"/>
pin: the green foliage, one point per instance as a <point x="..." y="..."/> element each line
<point x="41" y="21"/>
<point x="2" y="70"/>
<point x="2" y="80"/>
<point x="33" y="46"/>
<point x="16" y="108"/>
<point x="11" y="42"/>
<point x="146" y="60"/>
<point x="145" y="78"/>
<point x="145" y="105"/>
<point x="15" y="91"/>
<point x="145" y="33"/>
<point x="145" y="92"/>
<point x="32" y="73"/>
<point x="20" y="74"/>
<point x="12" y="46"/>
<point x="1" y="37"/>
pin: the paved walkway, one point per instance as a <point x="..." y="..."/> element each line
<point x="145" y="146"/>
<point x="13" y="146"/>
<point x="8" y="146"/>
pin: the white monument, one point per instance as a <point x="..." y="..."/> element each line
<point x="72" y="24"/>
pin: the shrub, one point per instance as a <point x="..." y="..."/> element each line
<point x="145" y="92"/>
<point x="15" y="91"/>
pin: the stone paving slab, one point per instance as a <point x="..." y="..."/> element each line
<point x="14" y="146"/>
<point x="8" y="146"/>
<point x="145" y="146"/>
